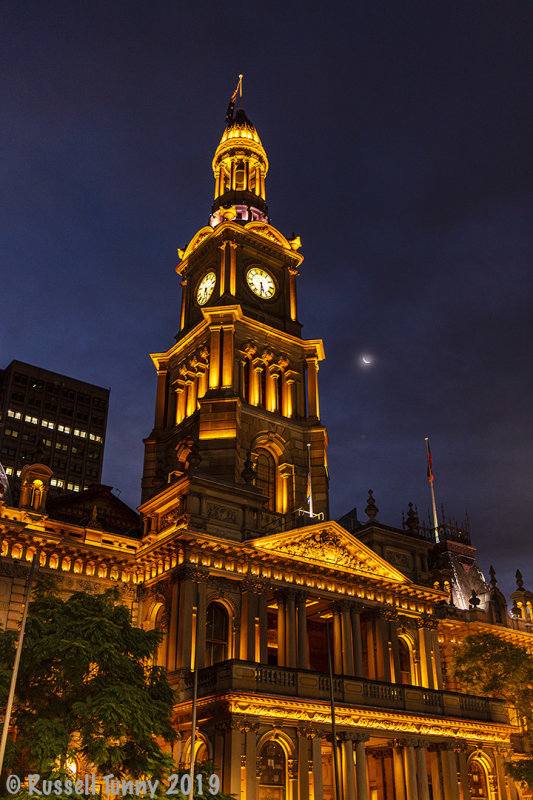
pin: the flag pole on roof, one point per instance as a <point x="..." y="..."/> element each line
<point x="231" y="106"/>
<point x="431" y="481"/>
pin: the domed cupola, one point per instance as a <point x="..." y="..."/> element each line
<point x="240" y="165"/>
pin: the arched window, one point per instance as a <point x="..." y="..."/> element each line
<point x="216" y="634"/>
<point x="477" y="780"/>
<point x="272" y="772"/>
<point x="265" y="471"/>
<point x="405" y="662"/>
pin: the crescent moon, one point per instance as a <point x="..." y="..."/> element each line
<point x="366" y="360"/>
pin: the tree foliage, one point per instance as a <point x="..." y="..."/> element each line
<point x="487" y="665"/>
<point x="87" y="688"/>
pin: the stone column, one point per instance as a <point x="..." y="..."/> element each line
<point x="318" y="786"/>
<point x="187" y="600"/>
<point x="371" y="647"/>
<point x="201" y="619"/>
<point x="293" y="273"/>
<point x="347" y="639"/>
<point x="303" y="766"/>
<point x="291" y="628"/>
<point x="422" y="770"/>
<point x="303" y="658"/>
<point x="227" y="356"/>
<point x="361" y="774"/>
<point x="410" y="771"/>
<point x="248" y="614"/>
<point x="424" y="646"/>
<point x="222" y="281"/>
<point x="500" y="774"/>
<point x="464" y="785"/>
<point x="449" y="769"/>
<point x="359" y="669"/>
<point x="214" y="357"/>
<point x="434" y="761"/>
<point x="312" y="387"/>
<point x="263" y="628"/>
<point x="348" y="771"/>
<point x="231" y="778"/>
<point x="398" y="770"/>
<point x="438" y="662"/>
<point x="282" y="635"/>
<point x="232" y="267"/>
<point x="382" y="648"/>
<point x="395" y="648"/>
<point x="161" y="398"/>
<point x="337" y="640"/>
<point x="250" y="759"/>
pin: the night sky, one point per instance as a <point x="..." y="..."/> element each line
<point x="399" y="139"/>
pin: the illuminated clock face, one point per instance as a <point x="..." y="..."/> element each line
<point x="205" y="289"/>
<point x="260" y="282"/>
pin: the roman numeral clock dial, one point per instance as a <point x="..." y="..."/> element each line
<point x="205" y="288"/>
<point x="261" y="283"/>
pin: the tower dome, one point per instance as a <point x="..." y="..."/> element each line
<point x="240" y="165"/>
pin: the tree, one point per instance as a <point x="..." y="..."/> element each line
<point x="490" y="666"/>
<point x="87" y="688"/>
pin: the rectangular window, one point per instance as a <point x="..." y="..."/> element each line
<point x="12" y="432"/>
<point x="63" y="428"/>
<point x="57" y="482"/>
<point x="33" y="420"/>
<point x="47" y="424"/>
<point x="80" y="433"/>
<point x="9" y="470"/>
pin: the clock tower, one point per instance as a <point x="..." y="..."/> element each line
<point x="237" y="432"/>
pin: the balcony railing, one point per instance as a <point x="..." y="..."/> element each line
<point x="246" y="676"/>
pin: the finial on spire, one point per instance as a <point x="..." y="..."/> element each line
<point x="519" y="580"/>
<point x="371" y="509"/>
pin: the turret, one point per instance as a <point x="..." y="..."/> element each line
<point x="240" y="166"/>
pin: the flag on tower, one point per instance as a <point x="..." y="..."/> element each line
<point x="231" y="106"/>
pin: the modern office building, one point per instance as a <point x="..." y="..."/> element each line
<point x="54" y="420"/>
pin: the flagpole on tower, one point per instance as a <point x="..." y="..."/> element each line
<point x="430" y="479"/>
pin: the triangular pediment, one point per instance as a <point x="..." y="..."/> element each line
<point x="330" y="545"/>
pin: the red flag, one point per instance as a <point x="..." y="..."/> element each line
<point x="430" y="463"/>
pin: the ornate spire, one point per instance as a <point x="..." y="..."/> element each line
<point x="519" y="580"/>
<point x="240" y="166"/>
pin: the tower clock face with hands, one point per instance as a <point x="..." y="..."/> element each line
<point x="205" y="288"/>
<point x="261" y="283"/>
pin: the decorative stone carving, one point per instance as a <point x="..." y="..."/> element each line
<point x="222" y="513"/>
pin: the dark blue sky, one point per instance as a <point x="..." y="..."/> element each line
<point x="399" y="137"/>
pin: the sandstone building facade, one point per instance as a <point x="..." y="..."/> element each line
<point x="238" y="562"/>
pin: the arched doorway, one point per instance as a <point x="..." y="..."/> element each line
<point x="272" y="764"/>
<point x="478" y="780"/>
<point x="216" y="634"/>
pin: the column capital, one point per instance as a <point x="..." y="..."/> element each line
<point x="388" y="612"/>
<point x="192" y="572"/>
<point x="427" y="621"/>
<point x="256" y="586"/>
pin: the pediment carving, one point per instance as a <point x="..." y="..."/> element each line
<point x="329" y="545"/>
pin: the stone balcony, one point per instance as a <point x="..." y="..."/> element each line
<point x="246" y="676"/>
